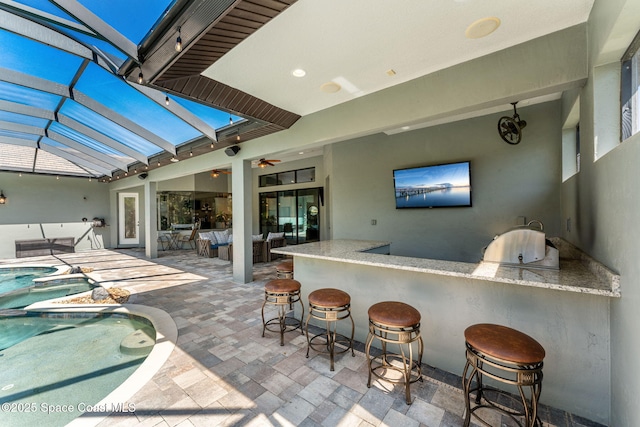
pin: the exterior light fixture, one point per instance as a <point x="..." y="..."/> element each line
<point x="179" y="41"/>
<point x="166" y="100"/>
<point x="230" y="120"/>
<point x="140" y="77"/>
<point x="3" y="198"/>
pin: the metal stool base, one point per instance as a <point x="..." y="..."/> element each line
<point x="524" y="378"/>
<point x="410" y="369"/>
<point x="329" y="338"/>
<point x="284" y="323"/>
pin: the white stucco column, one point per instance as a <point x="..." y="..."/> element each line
<point x="150" y="219"/>
<point x="242" y="220"/>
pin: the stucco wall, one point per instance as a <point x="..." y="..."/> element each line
<point x="603" y="199"/>
<point x="508" y="181"/>
<point x="43" y="206"/>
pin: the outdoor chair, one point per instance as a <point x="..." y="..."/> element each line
<point x="226" y="252"/>
<point x="164" y="241"/>
<point x="190" y="239"/>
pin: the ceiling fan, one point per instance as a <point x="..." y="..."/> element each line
<point x="216" y="173"/>
<point x="510" y="128"/>
<point x="263" y="163"/>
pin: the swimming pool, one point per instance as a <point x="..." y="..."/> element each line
<point x="64" y="363"/>
<point x="12" y="278"/>
<point x="44" y="289"/>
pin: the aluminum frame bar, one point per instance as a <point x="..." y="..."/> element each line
<point x="78" y="161"/>
<point x="18" y="141"/>
<point x="27" y="110"/>
<point x="119" y="119"/>
<point x="27" y="11"/>
<point x="178" y="110"/>
<point x="101" y="138"/>
<point x="33" y="82"/>
<point x="106" y="160"/>
<point x="19" y="127"/>
<point x="42" y="34"/>
<point x="92" y="21"/>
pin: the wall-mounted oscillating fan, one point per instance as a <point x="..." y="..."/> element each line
<point x="510" y="128"/>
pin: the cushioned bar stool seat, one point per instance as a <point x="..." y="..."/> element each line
<point x="507" y="356"/>
<point x="284" y="270"/>
<point x="330" y="305"/>
<point x="394" y="322"/>
<point x="282" y="293"/>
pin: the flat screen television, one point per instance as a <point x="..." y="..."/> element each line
<point x="434" y="186"/>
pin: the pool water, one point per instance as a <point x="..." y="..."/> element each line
<point x="12" y="278"/>
<point x="61" y="364"/>
<point x="33" y="292"/>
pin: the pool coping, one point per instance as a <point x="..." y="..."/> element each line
<point x="166" y="338"/>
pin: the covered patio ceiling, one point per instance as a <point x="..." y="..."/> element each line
<point x="100" y="89"/>
<point x="70" y="101"/>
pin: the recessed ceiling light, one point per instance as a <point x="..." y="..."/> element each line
<point x="330" y="87"/>
<point x="482" y="27"/>
<point x="299" y="72"/>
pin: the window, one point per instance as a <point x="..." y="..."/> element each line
<point x="629" y="82"/>
<point x="288" y="177"/>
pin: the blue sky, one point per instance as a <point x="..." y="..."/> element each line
<point x="456" y="174"/>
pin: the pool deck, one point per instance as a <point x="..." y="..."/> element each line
<point x="223" y="373"/>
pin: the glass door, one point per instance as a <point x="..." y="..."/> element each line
<point x="308" y="216"/>
<point x="128" y="219"/>
<point x="294" y="212"/>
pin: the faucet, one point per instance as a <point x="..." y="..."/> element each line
<point x="534" y="221"/>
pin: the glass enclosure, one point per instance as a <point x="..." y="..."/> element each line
<point x="182" y="209"/>
<point x="294" y="212"/>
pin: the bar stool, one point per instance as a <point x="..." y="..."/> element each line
<point x="507" y="356"/>
<point x="284" y="270"/>
<point x="330" y="305"/>
<point x="282" y="293"/>
<point x="395" y="323"/>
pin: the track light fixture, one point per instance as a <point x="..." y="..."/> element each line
<point x="179" y="41"/>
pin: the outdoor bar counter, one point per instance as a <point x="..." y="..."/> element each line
<point x="566" y="310"/>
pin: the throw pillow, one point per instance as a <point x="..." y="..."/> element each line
<point x="274" y="236"/>
<point x="221" y="236"/>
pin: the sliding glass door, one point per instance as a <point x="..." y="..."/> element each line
<point x="294" y="212"/>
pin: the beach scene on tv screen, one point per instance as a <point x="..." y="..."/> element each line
<point x="433" y="186"/>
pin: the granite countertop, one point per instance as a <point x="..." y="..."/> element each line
<point x="578" y="273"/>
